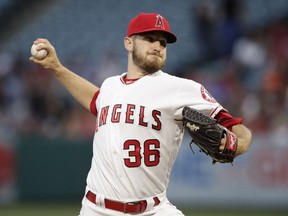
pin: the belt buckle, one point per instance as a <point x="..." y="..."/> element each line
<point x="135" y="207"/>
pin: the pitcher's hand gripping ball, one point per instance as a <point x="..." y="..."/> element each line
<point x="38" y="54"/>
<point x="207" y="134"/>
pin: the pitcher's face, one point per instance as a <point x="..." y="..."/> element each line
<point x="149" y="51"/>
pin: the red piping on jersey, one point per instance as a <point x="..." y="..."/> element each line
<point x="93" y="108"/>
<point x="126" y="81"/>
<point x="214" y="111"/>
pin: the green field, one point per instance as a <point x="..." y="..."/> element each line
<point x="72" y="209"/>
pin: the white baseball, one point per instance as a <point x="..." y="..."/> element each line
<point x="39" y="54"/>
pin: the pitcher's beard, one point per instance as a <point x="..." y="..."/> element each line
<point x="148" y="66"/>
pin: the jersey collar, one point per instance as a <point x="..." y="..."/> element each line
<point x="126" y="81"/>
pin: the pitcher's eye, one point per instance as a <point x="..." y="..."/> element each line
<point x="163" y="43"/>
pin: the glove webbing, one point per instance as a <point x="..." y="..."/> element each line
<point x="198" y="117"/>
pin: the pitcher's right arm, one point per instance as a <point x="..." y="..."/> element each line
<point x="81" y="89"/>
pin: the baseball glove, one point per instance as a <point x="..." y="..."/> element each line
<point x="207" y="134"/>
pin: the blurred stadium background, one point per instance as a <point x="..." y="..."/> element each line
<point x="237" y="49"/>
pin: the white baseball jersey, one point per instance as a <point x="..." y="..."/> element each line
<point x="139" y="132"/>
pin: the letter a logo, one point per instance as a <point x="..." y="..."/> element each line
<point x="159" y="22"/>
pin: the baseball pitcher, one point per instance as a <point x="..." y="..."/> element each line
<point x="140" y="122"/>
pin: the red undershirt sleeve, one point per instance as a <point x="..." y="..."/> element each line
<point x="226" y="120"/>
<point x="93" y="108"/>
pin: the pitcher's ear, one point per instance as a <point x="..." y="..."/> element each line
<point x="128" y="43"/>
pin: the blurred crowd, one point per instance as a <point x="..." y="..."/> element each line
<point x="253" y="82"/>
<point x="246" y="71"/>
<point x="33" y="103"/>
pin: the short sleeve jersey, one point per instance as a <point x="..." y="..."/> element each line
<point x="139" y="132"/>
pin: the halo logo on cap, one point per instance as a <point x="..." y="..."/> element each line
<point x="159" y="22"/>
<point x="148" y="22"/>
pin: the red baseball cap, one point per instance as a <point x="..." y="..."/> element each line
<point x="146" y="22"/>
